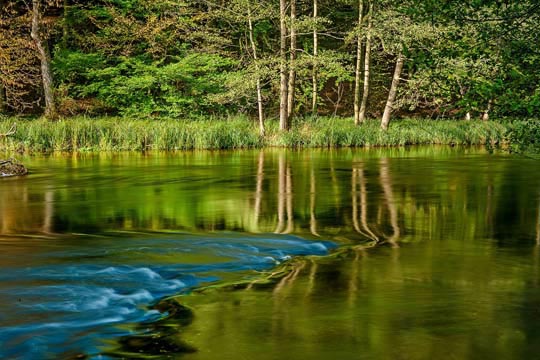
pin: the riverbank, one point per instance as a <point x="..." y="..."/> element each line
<point x="120" y="134"/>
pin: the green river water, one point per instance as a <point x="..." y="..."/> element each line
<point x="409" y="253"/>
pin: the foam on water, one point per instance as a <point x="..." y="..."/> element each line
<point x="77" y="298"/>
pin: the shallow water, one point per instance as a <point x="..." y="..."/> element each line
<point x="442" y="261"/>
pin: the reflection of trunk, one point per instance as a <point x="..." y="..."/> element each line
<point x="43" y="55"/>
<point x="392" y="93"/>
<point x="281" y="194"/>
<point x="386" y="184"/>
<point x="290" y="215"/>
<point x="312" y="198"/>
<point x="292" y="70"/>
<point x="538" y="227"/>
<point x="311" y="278"/>
<point x="354" y="182"/>
<point x="358" y="71"/>
<point x="489" y="210"/>
<point x="358" y="179"/>
<point x="259" y="91"/>
<point x="363" y="205"/>
<point x="315" y="65"/>
<point x="283" y="112"/>
<point x="353" y="281"/>
<point x="367" y="59"/>
<point x="259" y="189"/>
<point x="49" y="212"/>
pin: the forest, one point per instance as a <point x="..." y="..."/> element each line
<point x="270" y="59"/>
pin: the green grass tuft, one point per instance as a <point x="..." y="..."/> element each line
<point x="121" y="134"/>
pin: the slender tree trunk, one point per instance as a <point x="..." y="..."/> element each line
<point x="65" y="27"/>
<point x="283" y="111"/>
<point x="3" y="101"/>
<point x="259" y="91"/>
<point x="392" y="93"/>
<point x="367" y="60"/>
<point x="485" y="115"/>
<point x="358" y="71"/>
<point x="50" y="109"/>
<point x="292" y="70"/>
<point x="315" y="64"/>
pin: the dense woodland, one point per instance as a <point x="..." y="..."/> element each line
<point x="270" y="58"/>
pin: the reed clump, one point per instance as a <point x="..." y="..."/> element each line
<point x="121" y="134"/>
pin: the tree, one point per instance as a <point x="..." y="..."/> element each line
<point x="283" y="85"/>
<point x="259" y="90"/>
<point x="44" y="58"/>
<point x="358" y="71"/>
<point x="292" y="70"/>
<point x="367" y="66"/>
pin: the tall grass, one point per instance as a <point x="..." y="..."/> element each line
<point x="120" y="134"/>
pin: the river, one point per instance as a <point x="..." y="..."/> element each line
<point x="404" y="253"/>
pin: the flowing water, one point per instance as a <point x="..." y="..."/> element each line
<point x="434" y="253"/>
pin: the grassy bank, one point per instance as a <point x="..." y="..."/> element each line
<point x="119" y="134"/>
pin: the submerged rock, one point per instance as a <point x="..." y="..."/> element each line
<point x="12" y="168"/>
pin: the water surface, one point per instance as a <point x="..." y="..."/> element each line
<point x="442" y="256"/>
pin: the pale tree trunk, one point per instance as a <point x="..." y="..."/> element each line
<point x="358" y="71"/>
<point x="259" y="91"/>
<point x="315" y="65"/>
<point x="367" y="60"/>
<point x="485" y="115"/>
<point x="292" y="70"/>
<point x="392" y="93"/>
<point x="50" y="108"/>
<point x="283" y="112"/>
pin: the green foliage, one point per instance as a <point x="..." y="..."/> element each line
<point x="524" y="136"/>
<point x="134" y="86"/>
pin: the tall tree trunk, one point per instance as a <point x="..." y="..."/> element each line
<point x="283" y="112"/>
<point x="358" y="71"/>
<point x="315" y="64"/>
<point x="50" y="108"/>
<point x="292" y="70"/>
<point x="367" y="60"/>
<point x="3" y="101"/>
<point x="485" y="115"/>
<point x="259" y="91"/>
<point x="65" y="27"/>
<point x="392" y="93"/>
